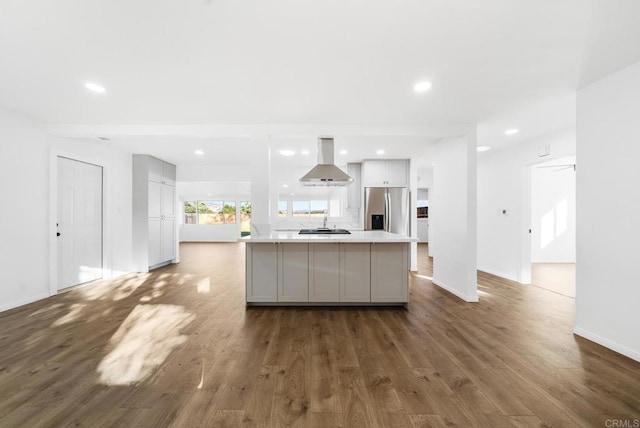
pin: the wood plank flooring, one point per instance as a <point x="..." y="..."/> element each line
<point x="557" y="277"/>
<point x="177" y="347"/>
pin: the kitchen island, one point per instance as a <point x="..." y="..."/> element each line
<point x="285" y="268"/>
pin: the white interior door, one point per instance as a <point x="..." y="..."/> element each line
<point x="79" y="222"/>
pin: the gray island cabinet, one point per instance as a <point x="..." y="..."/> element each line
<point x="364" y="268"/>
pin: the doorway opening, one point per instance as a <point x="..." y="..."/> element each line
<point x="553" y="225"/>
<point x="422" y="214"/>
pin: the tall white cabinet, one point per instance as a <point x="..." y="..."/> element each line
<point x="154" y="213"/>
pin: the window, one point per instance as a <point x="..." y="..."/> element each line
<point x="229" y="211"/>
<point x="282" y="209"/>
<point x="245" y="218"/>
<point x="190" y="212"/>
<point x="209" y="212"/>
<point x="319" y="208"/>
<point x="307" y="208"/>
<point x="301" y="209"/>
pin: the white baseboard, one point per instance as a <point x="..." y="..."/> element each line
<point x="621" y="349"/>
<point x="470" y="299"/>
<point x="500" y="274"/>
<point x="21" y="302"/>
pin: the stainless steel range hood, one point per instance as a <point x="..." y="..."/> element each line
<point x="325" y="173"/>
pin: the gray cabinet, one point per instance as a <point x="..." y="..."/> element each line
<point x="389" y="272"/>
<point x="340" y="272"/>
<point x="293" y="272"/>
<point x="331" y="273"/>
<point x="324" y="272"/>
<point x="154" y="212"/>
<point x="262" y="273"/>
<point x="355" y="273"/>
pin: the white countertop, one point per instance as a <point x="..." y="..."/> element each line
<point x="356" y="236"/>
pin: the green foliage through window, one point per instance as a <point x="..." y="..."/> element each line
<point x="212" y="212"/>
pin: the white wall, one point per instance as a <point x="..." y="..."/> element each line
<point x="210" y="232"/>
<point x="608" y="203"/>
<point x="26" y="154"/>
<point x="504" y="244"/>
<point x="213" y="173"/>
<point x="453" y="217"/>
<point x="553" y="212"/>
<point x="425" y="177"/>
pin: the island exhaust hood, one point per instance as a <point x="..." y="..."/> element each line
<point x="325" y="173"/>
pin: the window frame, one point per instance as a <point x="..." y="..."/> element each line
<point x="211" y="204"/>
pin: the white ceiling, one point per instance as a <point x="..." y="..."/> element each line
<point x="182" y="74"/>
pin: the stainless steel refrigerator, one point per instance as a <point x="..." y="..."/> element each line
<point x="387" y="208"/>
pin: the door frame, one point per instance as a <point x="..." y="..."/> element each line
<point x="53" y="212"/>
<point x="524" y="270"/>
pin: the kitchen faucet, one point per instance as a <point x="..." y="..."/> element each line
<point x="324" y="221"/>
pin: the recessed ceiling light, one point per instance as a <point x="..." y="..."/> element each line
<point x="285" y="185"/>
<point x="422" y="86"/>
<point x="95" y="87"/>
<point x="305" y="152"/>
<point x="287" y="152"/>
<point x="199" y="152"/>
<point x="293" y="194"/>
<point x="483" y="148"/>
<point x="380" y="152"/>
<point x="343" y="152"/>
<point x="511" y="131"/>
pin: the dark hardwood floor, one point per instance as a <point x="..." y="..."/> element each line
<point x="177" y="347"/>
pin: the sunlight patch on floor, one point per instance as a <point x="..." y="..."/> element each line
<point x="156" y="292"/>
<point x="118" y="289"/>
<point x="204" y="285"/>
<point x="201" y="384"/>
<point x="143" y="342"/>
<point x="46" y="309"/>
<point x="72" y="315"/>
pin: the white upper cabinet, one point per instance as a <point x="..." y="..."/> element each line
<point x="354" y="189"/>
<point x="161" y="171"/>
<point x="397" y="173"/>
<point x="373" y="173"/>
<point x="385" y="173"/>
<point x="156" y="169"/>
<point x="169" y="173"/>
